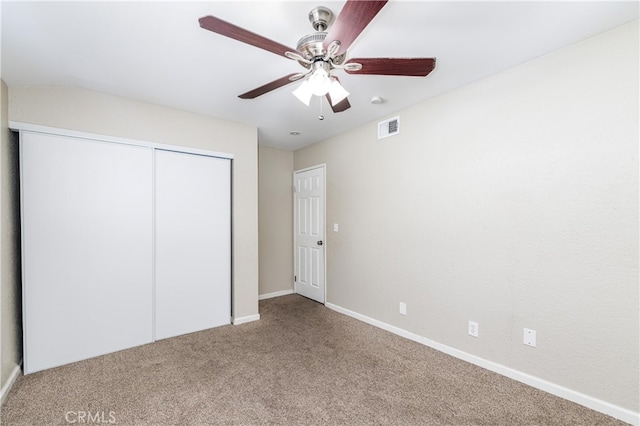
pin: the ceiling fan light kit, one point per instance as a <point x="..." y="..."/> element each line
<point x="325" y="51"/>
<point x="320" y="83"/>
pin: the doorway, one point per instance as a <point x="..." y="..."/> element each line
<point x="309" y="232"/>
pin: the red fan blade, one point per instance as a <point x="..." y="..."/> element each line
<point x="252" y="94"/>
<point x="414" y="67"/>
<point x="224" y="28"/>
<point x="352" y="20"/>
<point x="340" y="106"/>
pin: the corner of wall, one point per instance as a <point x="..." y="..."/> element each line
<point x="275" y="221"/>
<point x="10" y="286"/>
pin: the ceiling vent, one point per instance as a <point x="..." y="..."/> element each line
<point x="389" y="127"/>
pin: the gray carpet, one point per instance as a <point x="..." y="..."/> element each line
<point x="300" y="364"/>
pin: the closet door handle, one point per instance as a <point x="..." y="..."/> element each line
<point x="320" y="243"/>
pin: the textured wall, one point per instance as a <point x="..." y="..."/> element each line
<point x="512" y="202"/>
<point x="276" y="220"/>
<point x="10" y="293"/>
<point x="93" y="112"/>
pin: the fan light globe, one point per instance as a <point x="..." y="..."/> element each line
<point x="304" y="93"/>
<point x="337" y="93"/>
<point x="320" y="82"/>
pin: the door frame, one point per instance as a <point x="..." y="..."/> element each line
<point x="323" y="167"/>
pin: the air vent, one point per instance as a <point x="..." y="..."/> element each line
<point x="389" y="127"/>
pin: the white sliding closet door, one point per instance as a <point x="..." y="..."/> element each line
<point x="193" y="243"/>
<point x="87" y="248"/>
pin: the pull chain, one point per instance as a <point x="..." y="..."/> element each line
<point x="320" y="117"/>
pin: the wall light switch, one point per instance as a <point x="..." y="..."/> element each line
<point x="529" y="337"/>
<point x="403" y="308"/>
<point x="336" y="228"/>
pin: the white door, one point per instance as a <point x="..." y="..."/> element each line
<point x="192" y="243"/>
<point x="309" y="233"/>
<point x="86" y="248"/>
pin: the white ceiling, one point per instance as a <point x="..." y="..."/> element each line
<point x="156" y="52"/>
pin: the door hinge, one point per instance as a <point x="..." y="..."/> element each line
<point x="295" y="189"/>
<point x="295" y="278"/>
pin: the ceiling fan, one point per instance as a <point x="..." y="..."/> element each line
<point x="324" y="51"/>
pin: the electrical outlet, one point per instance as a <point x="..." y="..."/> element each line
<point x="403" y="308"/>
<point x="529" y="337"/>
<point x="473" y="328"/>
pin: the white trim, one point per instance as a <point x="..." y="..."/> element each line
<point x="376" y="323"/>
<point x="154" y="154"/>
<point x="23" y="269"/>
<point x="322" y="166"/>
<point x="9" y="383"/>
<point x="306" y="169"/>
<point x="275" y="294"/>
<point x="599" y="405"/>
<point x="242" y="320"/>
<point x="36" y="128"/>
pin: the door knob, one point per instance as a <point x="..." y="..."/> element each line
<point x="320" y="242"/>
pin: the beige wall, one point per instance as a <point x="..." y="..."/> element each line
<point x="512" y="202"/>
<point x="276" y="220"/>
<point x="93" y="112"/>
<point x="10" y="295"/>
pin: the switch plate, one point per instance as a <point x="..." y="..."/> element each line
<point x="473" y="329"/>
<point x="403" y="308"/>
<point x="336" y="228"/>
<point x="529" y="337"/>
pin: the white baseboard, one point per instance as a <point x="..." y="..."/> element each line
<point x="275" y="294"/>
<point x="242" y="320"/>
<point x="599" y="405"/>
<point x="15" y="373"/>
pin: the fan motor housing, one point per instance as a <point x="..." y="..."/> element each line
<point x="311" y="46"/>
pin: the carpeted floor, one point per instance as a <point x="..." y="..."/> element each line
<point x="300" y="364"/>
